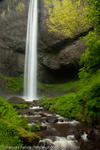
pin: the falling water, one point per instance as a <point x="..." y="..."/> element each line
<point x="30" y="71"/>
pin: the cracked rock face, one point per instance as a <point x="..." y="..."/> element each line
<point x="66" y="61"/>
<point x="70" y="55"/>
<point x="57" y="57"/>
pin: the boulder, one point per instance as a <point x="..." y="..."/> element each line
<point x="19" y="100"/>
<point x="28" y="138"/>
<point x="52" y="120"/>
<point x="16" y="100"/>
<point x="65" y="59"/>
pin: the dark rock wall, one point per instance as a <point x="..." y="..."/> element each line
<point x="57" y="57"/>
<point x="12" y="37"/>
<point x="64" y="64"/>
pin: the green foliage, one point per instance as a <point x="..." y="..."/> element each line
<point x="9" y="124"/>
<point x="20" y="7"/>
<point x="66" y="105"/>
<point x="3" y="14"/>
<point x="93" y="109"/>
<point x="12" y="135"/>
<point x="12" y="6"/>
<point x="94" y="13"/>
<point x="66" y="17"/>
<point x="13" y="130"/>
<point x="36" y="127"/>
<point x="92" y="95"/>
<point x="90" y="60"/>
<point x="7" y="112"/>
<point x="82" y="105"/>
<point x="90" y="72"/>
<point x="8" y="134"/>
<point x="58" y="89"/>
<point x="13" y="84"/>
<point x="20" y="106"/>
<point x="29" y="137"/>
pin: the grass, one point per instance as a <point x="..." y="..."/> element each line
<point x="83" y="104"/>
<point x="12" y="84"/>
<point x="36" y="127"/>
<point x="15" y="84"/>
<point x="14" y="131"/>
<point x="20" y="106"/>
<point x="58" y="89"/>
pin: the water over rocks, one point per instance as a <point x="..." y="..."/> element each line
<point x="60" y="133"/>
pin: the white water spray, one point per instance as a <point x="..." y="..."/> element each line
<point x="30" y="71"/>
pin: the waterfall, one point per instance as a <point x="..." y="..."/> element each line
<point x="30" y="70"/>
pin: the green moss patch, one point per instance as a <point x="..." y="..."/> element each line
<point x="12" y="84"/>
<point x="20" y="106"/>
<point x="14" y="131"/>
<point x="36" y="127"/>
<point x="58" y="89"/>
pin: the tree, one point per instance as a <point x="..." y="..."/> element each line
<point x="94" y="13"/>
<point x="66" y="17"/>
<point x="90" y="60"/>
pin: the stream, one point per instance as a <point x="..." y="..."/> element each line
<point x="60" y="133"/>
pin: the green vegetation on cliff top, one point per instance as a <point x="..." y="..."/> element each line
<point x="66" y="17"/>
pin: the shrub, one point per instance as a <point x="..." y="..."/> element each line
<point x="66" y="17"/>
<point x="14" y="131"/>
<point x="8" y="134"/>
<point x="36" y="127"/>
<point x="8" y="113"/>
<point x="83" y="105"/>
<point x="90" y="60"/>
<point x="20" y="106"/>
<point x="13" y="84"/>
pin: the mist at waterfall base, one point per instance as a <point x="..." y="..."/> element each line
<point x="30" y="70"/>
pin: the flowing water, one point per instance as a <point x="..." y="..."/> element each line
<point x="58" y="132"/>
<point x="30" y="71"/>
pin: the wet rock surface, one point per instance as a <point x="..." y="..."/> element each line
<point x="59" y="133"/>
<point x="58" y="56"/>
<point x="52" y="120"/>
<point x="16" y="100"/>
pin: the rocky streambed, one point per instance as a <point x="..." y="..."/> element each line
<point x="57" y="132"/>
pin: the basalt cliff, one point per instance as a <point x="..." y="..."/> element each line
<point x="58" y="57"/>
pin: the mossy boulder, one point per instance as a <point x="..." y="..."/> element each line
<point x="14" y="129"/>
<point x="28" y="138"/>
<point x="24" y="136"/>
